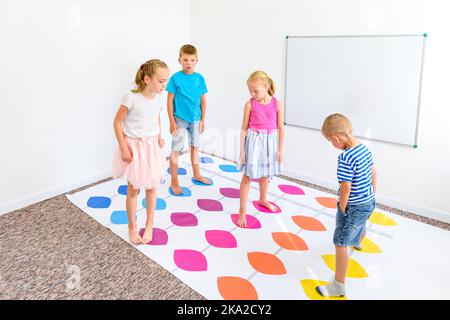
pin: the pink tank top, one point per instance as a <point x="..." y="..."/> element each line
<point x="264" y="117"/>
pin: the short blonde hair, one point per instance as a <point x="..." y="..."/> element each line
<point x="265" y="79"/>
<point x="188" y="49"/>
<point x="336" y="124"/>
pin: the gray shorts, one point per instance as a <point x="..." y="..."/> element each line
<point x="192" y="130"/>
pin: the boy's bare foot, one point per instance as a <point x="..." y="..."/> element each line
<point x="176" y="189"/>
<point x="135" y="238"/>
<point x="242" y="221"/>
<point x="148" y="234"/>
<point x="268" y="205"/>
<point x="202" y="180"/>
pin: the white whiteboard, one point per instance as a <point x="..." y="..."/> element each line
<point x="373" y="80"/>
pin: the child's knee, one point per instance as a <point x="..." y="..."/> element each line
<point x="263" y="180"/>
<point x="132" y="193"/>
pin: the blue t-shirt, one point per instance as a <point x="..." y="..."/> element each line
<point x="188" y="90"/>
<point x="355" y="166"/>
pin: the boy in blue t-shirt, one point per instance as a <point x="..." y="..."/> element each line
<point x="357" y="179"/>
<point x="186" y="105"/>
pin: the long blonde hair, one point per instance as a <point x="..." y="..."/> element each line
<point x="265" y="79"/>
<point x="147" y="69"/>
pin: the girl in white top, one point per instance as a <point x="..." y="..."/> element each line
<point x="139" y="156"/>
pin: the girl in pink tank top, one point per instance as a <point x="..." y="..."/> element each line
<point x="262" y="139"/>
<point x="264" y="117"/>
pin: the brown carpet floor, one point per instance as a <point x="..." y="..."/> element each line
<point x="43" y="246"/>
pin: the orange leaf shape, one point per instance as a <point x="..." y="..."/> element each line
<point x="266" y="263"/>
<point x="308" y="223"/>
<point x="235" y="288"/>
<point x="289" y="241"/>
<point x="327" y="202"/>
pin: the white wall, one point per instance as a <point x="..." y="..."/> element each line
<point x="236" y="37"/>
<point x="64" y="67"/>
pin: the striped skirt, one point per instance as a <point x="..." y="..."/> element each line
<point x="260" y="155"/>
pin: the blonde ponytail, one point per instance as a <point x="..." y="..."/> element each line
<point x="146" y="69"/>
<point x="265" y="79"/>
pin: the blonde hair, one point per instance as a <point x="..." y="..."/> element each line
<point x="336" y="124"/>
<point x="147" y="69"/>
<point x="265" y="79"/>
<point x="188" y="49"/>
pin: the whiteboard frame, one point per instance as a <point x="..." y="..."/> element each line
<point x="423" y="35"/>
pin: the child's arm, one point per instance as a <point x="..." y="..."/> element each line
<point x="374" y="178"/>
<point x="244" y="129"/>
<point x="280" y="131"/>
<point x="173" y="124"/>
<point x="203" y="108"/>
<point x="120" y="115"/>
<point x="344" y="194"/>
<point x="160" y="139"/>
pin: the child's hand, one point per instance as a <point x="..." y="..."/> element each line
<point x="242" y="158"/>
<point x="161" y="141"/>
<point x="202" y="126"/>
<point x="126" y="155"/>
<point x="173" y="129"/>
<point x="280" y="156"/>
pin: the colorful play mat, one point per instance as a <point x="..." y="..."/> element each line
<point x="280" y="255"/>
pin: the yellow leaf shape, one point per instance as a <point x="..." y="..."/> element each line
<point x="309" y="286"/>
<point x="368" y="246"/>
<point x="382" y="219"/>
<point x="354" y="268"/>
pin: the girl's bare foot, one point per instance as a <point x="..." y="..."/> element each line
<point x="242" y="221"/>
<point x="148" y="234"/>
<point x="202" y="180"/>
<point x="175" y="188"/>
<point x="268" y="205"/>
<point x="135" y="238"/>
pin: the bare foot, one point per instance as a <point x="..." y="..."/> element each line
<point x="202" y="180"/>
<point x="268" y="205"/>
<point x="148" y="234"/>
<point x="175" y="188"/>
<point x="135" y="238"/>
<point x="242" y="221"/>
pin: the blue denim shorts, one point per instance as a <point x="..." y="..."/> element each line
<point x="352" y="224"/>
<point x="192" y="130"/>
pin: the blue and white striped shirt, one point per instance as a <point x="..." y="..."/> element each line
<point x="355" y="166"/>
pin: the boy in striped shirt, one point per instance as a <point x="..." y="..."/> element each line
<point x="357" y="179"/>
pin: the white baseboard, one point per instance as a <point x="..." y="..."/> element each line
<point x="218" y="153"/>
<point x="388" y="201"/>
<point x="311" y="179"/>
<point x="44" y="195"/>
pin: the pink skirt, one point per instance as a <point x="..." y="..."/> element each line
<point x="146" y="169"/>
